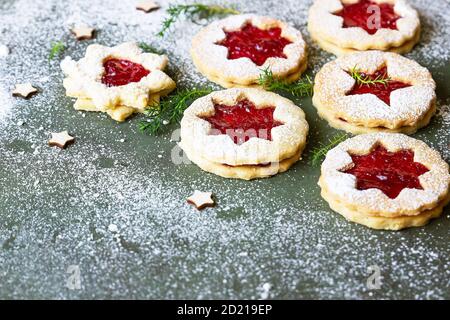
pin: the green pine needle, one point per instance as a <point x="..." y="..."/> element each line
<point x="300" y="88"/>
<point x="149" y="48"/>
<point x="170" y="110"/>
<point x="319" y="153"/>
<point x="56" y="49"/>
<point x="193" y="12"/>
<point x="362" y="79"/>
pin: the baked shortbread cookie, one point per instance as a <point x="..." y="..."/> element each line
<point x="375" y="91"/>
<point x="346" y="26"/>
<point x="385" y="181"/>
<point x="120" y="80"/>
<point x="233" y="51"/>
<point x="243" y="133"/>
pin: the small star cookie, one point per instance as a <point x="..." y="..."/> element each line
<point x="147" y="6"/>
<point x="60" y="139"/>
<point x="201" y="199"/>
<point x="83" y="32"/>
<point x="24" y="90"/>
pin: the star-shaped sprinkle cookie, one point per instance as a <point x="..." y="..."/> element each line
<point x="147" y="6"/>
<point x="24" y="90"/>
<point x="83" y="32"/>
<point x="201" y="199"/>
<point x="60" y="139"/>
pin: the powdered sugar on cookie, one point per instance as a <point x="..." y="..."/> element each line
<point x="412" y="202"/>
<point x="408" y="106"/>
<point x="212" y="59"/>
<point x="287" y="138"/>
<point x="84" y="79"/>
<point x="324" y="25"/>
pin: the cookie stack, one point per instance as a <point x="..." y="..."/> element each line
<point x="375" y="91"/>
<point x="234" y="51"/>
<point x="243" y="133"/>
<point x="120" y="80"/>
<point x="346" y="26"/>
<point x="385" y="181"/>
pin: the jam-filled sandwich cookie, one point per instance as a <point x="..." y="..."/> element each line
<point x="346" y="26"/>
<point x="243" y="133"/>
<point x="385" y="181"/>
<point x="120" y="80"/>
<point x="375" y="91"/>
<point x="233" y="51"/>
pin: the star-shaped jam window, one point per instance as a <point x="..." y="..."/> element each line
<point x="390" y="172"/>
<point x="120" y="72"/>
<point x="256" y="44"/>
<point x="378" y="83"/>
<point x="243" y="121"/>
<point x="369" y="15"/>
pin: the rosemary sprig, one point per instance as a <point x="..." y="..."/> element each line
<point x="319" y="153"/>
<point x="170" y="109"/>
<point x="56" y="49"/>
<point x="300" y="88"/>
<point x="193" y="12"/>
<point x="362" y="79"/>
<point x="149" y="48"/>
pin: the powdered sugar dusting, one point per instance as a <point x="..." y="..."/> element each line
<point x="5" y="103"/>
<point x="273" y="238"/>
<point x="4" y="51"/>
<point x="444" y="111"/>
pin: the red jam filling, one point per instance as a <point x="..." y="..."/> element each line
<point x="363" y="14"/>
<point x="243" y="121"/>
<point x="119" y="72"/>
<point x="390" y="172"/>
<point x="256" y="44"/>
<point x="381" y="90"/>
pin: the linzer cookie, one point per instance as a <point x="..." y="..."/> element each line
<point x="243" y="133"/>
<point x="233" y="51"/>
<point x="375" y="91"/>
<point x="346" y="26"/>
<point x="120" y="80"/>
<point x="385" y="181"/>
